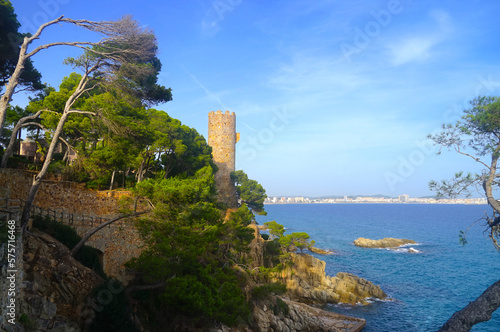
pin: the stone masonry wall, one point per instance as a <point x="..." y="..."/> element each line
<point x="67" y="196"/>
<point x="118" y="242"/>
<point x="222" y="137"/>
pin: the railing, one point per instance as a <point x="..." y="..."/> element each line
<point x="9" y="209"/>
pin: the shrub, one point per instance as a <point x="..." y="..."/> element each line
<point x="280" y="307"/>
<point x="115" y="315"/>
<point x="65" y="234"/>
<point x="262" y="292"/>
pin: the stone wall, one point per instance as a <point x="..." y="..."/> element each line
<point x="222" y="137"/>
<point x="118" y="242"/>
<point x="66" y="196"/>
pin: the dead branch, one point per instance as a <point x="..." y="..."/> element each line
<point x="101" y="226"/>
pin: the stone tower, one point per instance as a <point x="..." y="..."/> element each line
<point x="222" y="137"/>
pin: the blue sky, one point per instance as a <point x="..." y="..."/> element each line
<point x="331" y="97"/>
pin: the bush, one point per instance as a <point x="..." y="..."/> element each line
<point x="115" y="315"/>
<point x="262" y="292"/>
<point x="65" y="234"/>
<point x="280" y="307"/>
<point x="207" y="294"/>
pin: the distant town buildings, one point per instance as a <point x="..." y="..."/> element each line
<point x="402" y="199"/>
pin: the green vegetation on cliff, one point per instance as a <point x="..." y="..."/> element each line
<point x="191" y="253"/>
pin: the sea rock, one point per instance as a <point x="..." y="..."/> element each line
<point x="383" y="243"/>
<point x="56" y="286"/>
<point x="321" y="251"/>
<point x="307" y="282"/>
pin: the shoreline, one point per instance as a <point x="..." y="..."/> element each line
<point x="411" y="203"/>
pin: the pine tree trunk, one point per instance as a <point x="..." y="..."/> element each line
<point x="475" y="312"/>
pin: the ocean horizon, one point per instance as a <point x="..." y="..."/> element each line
<point x="427" y="285"/>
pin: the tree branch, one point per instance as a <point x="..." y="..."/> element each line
<point x="101" y="226"/>
<point x="457" y="148"/>
<point x="81" y="112"/>
<point x="478" y="311"/>
<point x="17" y="127"/>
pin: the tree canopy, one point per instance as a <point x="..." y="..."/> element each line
<point x="249" y="191"/>
<point x="10" y="45"/>
<point x="191" y="251"/>
<point x="477" y="136"/>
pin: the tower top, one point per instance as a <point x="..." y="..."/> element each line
<point x="219" y="112"/>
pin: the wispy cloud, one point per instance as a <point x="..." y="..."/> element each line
<point x="213" y="96"/>
<point x="420" y="46"/>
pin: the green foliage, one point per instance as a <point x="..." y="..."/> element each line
<point x="115" y="315"/>
<point x="65" y="234"/>
<point x="236" y="235"/>
<point x="207" y="293"/>
<point x="27" y="323"/>
<point x="250" y="192"/>
<point x="10" y="43"/>
<point x="192" y="250"/>
<point x="264" y="291"/>
<point x="278" y="248"/>
<point x="299" y="240"/>
<point x="275" y="230"/>
<point x="477" y="136"/>
<point x="280" y="307"/>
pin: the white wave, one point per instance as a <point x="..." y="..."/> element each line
<point x="410" y="250"/>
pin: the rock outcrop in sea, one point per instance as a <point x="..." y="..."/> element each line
<point x="307" y="282"/>
<point x="383" y="243"/>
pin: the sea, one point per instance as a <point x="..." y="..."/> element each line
<point x="426" y="287"/>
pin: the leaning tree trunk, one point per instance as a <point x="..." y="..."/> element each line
<point x="478" y="311"/>
<point x="37" y="179"/>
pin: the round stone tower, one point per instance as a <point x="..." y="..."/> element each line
<point x="222" y="137"/>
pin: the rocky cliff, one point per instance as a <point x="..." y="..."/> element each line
<point x="307" y="282"/>
<point x="55" y="287"/>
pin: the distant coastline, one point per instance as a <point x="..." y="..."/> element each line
<point x="403" y="199"/>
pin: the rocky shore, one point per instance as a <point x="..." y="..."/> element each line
<point x="56" y="290"/>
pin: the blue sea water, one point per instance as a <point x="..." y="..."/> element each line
<point x="427" y="287"/>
